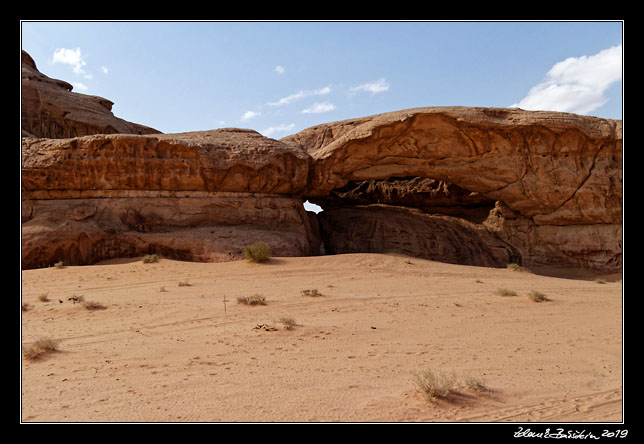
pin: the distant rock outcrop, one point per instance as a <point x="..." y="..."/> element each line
<point x="50" y="109"/>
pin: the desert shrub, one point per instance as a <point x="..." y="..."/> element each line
<point x="313" y="292"/>
<point x="474" y="384"/>
<point x="59" y="265"/>
<point x="255" y="299"/>
<point x="288" y="323"/>
<point x="185" y="284"/>
<point x="257" y="252"/>
<point x="150" y="258"/>
<point x="91" y="305"/>
<point x="435" y="385"/>
<point x="43" y="297"/>
<point x="505" y="292"/>
<point x="26" y="306"/>
<point x="516" y="267"/>
<point x="600" y="281"/>
<point x="537" y="296"/>
<point x="39" y="348"/>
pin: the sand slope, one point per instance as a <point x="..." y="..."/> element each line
<point x="175" y="355"/>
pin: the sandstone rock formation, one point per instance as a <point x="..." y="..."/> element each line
<point x="199" y="196"/>
<point x="50" y="109"/>
<point x="556" y="178"/>
<point x="477" y="186"/>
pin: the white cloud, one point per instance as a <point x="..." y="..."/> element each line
<point x="79" y="86"/>
<point x="577" y="84"/>
<point x="278" y="129"/>
<point x="279" y="69"/>
<point x="300" y="95"/>
<point x="317" y="108"/>
<point x="249" y="115"/>
<point x="378" y="86"/>
<point x="104" y="69"/>
<point x="72" y="57"/>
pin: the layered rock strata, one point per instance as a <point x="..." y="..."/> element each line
<point x="198" y="196"/>
<point x="50" y="109"/>
<point x="557" y="177"/>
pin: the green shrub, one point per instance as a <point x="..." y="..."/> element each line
<point x="257" y="252"/>
<point x="150" y="258"/>
<point x="516" y="267"/>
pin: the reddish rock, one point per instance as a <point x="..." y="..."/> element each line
<point x="50" y="109"/>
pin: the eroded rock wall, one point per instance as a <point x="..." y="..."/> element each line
<point x="557" y="175"/>
<point x="199" y="196"/>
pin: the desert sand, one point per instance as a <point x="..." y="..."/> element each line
<point x="167" y="348"/>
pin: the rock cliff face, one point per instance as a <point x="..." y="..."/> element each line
<point x="194" y="196"/>
<point x="50" y="109"/>
<point x="477" y="186"/>
<point x="555" y="179"/>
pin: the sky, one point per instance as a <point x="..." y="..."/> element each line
<point x="280" y="77"/>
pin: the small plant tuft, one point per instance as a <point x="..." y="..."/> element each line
<point x="257" y="252"/>
<point x="40" y="348"/>
<point x="255" y="299"/>
<point x="313" y="292"/>
<point x="150" y="258"/>
<point x="537" y="296"/>
<point x="26" y="306"/>
<point x="43" y="297"/>
<point x="435" y="385"/>
<point x="516" y="267"/>
<point x="92" y="305"/>
<point x="185" y="284"/>
<point x="59" y="265"/>
<point x="505" y="292"/>
<point x="288" y="323"/>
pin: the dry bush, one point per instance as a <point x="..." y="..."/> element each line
<point x="43" y="297"/>
<point x="40" y="348"/>
<point x="26" y="306"/>
<point x="255" y="299"/>
<point x="516" y="267"/>
<point x="435" y="385"/>
<point x="150" y="258"/>
<point x="288" y="323"/>
<point x="313" y="292"/>
<point x="505" y="292"/>
<point x="537" y="296"/>
<point x="185" y="284"/>
<point x="91" y="305"/>
<point x="257" y="252"/>
<point x="59" y="265"/>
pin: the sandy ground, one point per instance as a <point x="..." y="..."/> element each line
<point x="164" y="352"/>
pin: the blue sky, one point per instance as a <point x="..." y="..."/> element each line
<point x="281" y="77"/>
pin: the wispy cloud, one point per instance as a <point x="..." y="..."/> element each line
<point x="577" y="84"/>
<point x="104" y="69"/>
<point x="80" y="86"/>
<point x="268" y="132"/>
<point x="280" y="69"/>
<point x="249" y="115"/>
<point x="300" y="95"/>
<point x="375" y="87"/>
<point x="317" y="108"/>
<point x="72" y="57"/>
